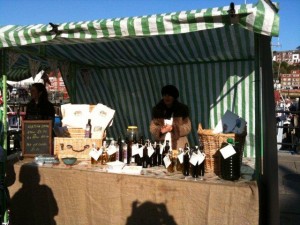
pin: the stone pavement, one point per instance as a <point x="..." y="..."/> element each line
<point x="289" y="188"/>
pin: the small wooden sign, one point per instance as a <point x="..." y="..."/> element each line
<point x="36" y="137"/>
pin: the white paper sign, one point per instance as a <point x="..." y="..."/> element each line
<point x="95" y="154"/>
<point x="111" y="150"/>
<point x="150" y="151"/>
<point x="201" y="157"/>
<point x="161" y="148"/>
<point x="194" y="159"/>
<point x="134" y="149"/>
<point x="141" y="151"/>
<point x="227" y="151"/>
<point x="167" y="161"/>
<point x="180" y="157"/>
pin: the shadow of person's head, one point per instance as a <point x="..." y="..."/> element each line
<point x="149" y="213"/>
<point x="29" y="175"/>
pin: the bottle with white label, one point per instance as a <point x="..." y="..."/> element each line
<point x="179" y="166"/>
<point x="231" y="167"/>
<point x="186" y="160"/>
<point x="165" y="151"/>
<point x="195" y="168"/>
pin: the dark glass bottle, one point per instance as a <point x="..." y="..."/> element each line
<point x="159" y="155"/>
<point x="195" y="168"/>
<point x="145" y="158"/>
<point x="230" y="167"/>
<point x="120" y="149"/>
<point x="137" y="158"/>
<point x="186" y="161"/>
<point x="88" y="129"/>
<point x="165" y="151"/>
<point x="154" y="155"/>
<point x="179" y="166"/>
<point x="202" y="165"/>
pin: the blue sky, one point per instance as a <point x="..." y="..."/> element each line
<point x="25" y="12"/>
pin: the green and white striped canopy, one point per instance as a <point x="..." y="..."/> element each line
<point x="206" y="53"/>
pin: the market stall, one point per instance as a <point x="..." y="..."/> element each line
<point x="219" y="59"/>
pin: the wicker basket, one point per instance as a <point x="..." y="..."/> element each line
<point x="213" y="142"/>
<point x="75" y="147"/>
<point x="76" y="132"/>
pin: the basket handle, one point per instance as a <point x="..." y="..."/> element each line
<point x="200" y="128"/>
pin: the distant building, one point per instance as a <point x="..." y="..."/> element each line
<point x="290" y="81"/>
<point x="292" y="57"/>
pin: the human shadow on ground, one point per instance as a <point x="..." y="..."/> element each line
<point x="149" y="213"/>
<point x="32" y="204"/>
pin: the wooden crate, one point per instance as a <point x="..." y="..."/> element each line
<point x="76" y="147"/>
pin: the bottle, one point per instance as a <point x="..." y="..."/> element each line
<point x="154" y="155"/>
<point x="137" y="158"/>
<point x="112" y="157"/>
<point x="159" y="155"/>
<point x="202" y="165"/>
<point x="103" y="159"/>
<point x="179" y="166"/>
<point x="93" y="161"/>
<point x="124" y="151"/>
<point x="165" y="151"/>
<point x="88" y="129"/>
<point x="186" y="160"/>
<point x="170" y="168"/>
<point x="230" y="167"/>
<point x="194" y="168"/>
<point x="144" y="159"/>
<point x="131" y="138"/>
<point x="120" y="150"/>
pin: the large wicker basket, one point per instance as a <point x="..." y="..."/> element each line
<point x="212" y="144"/>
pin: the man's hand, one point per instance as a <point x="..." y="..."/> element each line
<point x="166" y="128"/>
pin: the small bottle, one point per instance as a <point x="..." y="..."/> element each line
<point x="104" y="157"/>
<point x="88" y="129"/>
<point x="137" y="158"/>
<point x="170" y="168"/>
<point x="165" y="151"/>
<point x="154" y="155"/>
<point x="179" y="166"/>
<point x="186" y="160"/>
<point x="113" y="157"/>
<point x="93" y="161"/>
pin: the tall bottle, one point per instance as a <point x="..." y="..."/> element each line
<point x="165" y="151"/>
<point x="159" y="155"/>
<point x="104" y="157"/>
<point x="195" y="168"/>
<point x="131" y="138"/>
<point x="202" y="165"/>
<point x="145" y="158"/>
<point x="179" y="166"/>
<point x="120" y="150"/>
<point x="112" y="157"/>
<point x="231" y="167"/>
<point x="137" y="158"/>
<point x="186" y="160"/>
<point x="88" y="129"/>
<point x="154" y="156"/>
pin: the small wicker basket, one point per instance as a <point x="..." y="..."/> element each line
<point x="212" y="144"/>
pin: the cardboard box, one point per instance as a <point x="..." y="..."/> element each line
<point x="75" y="147"/>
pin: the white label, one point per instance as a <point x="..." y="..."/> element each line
<point x="95" y="154"/>
<point x="167" y="161"/>
<point x="111" y="150"/>
<point x="134" y="150"/>
<point x="227" y="151"/>
<point x="141" y="151"/>
<point x="201" y="157"/>
<point x="161" y="148"/>
<point x="150" y="151"/>
<point x="194" y="159"/>
<point x="180" y="157"/>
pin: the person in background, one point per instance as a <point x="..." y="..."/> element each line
<point x="39" y="108"/>
<point x="171" y="117"/>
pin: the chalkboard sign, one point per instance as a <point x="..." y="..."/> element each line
<point x="36" y="137"/>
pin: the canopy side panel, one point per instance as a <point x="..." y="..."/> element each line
<point x="208" y="89"/>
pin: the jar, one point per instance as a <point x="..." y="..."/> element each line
<point x="132" y="133"/>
